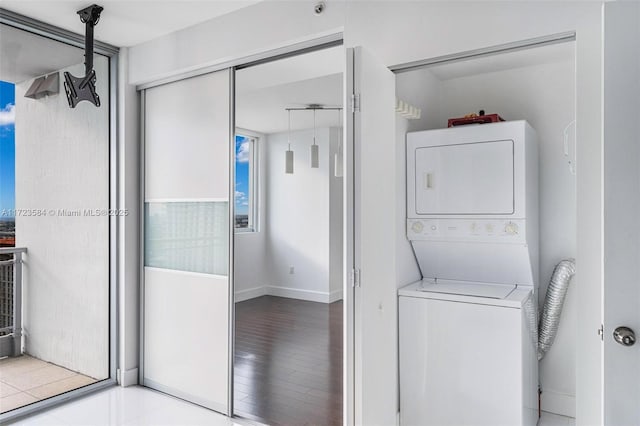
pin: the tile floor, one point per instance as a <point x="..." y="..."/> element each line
<point x="127" y="407"/>
<point x="140" y="406"/>
<point x="24" y="380"/>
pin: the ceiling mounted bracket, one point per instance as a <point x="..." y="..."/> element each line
<point x="83" y="88"/>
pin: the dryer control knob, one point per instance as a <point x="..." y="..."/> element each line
<point x="417" y="227"/>
<point x="511" y="228"/>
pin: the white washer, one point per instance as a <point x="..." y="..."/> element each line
<point x="467" y="355"/>
<point x="468" y="328"/>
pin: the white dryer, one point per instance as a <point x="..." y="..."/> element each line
<point x="468" y="328"/>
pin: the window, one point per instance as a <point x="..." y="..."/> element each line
<point x="245" y="183"/>
<point x="7" y="166"/>
<point x="7" y="205"/>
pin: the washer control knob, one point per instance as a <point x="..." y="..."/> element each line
<point x="417" y="227"/>
<point x="511" y="228"/>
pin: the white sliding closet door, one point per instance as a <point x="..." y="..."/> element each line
<point x="186" y="342"/>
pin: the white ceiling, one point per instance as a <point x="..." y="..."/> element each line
<point x="127" y="23"/>
<point x="264" y="111"/>
<point x="26" y="55"/>
<point x="296" y="68"/>
<point x="264" y="91"/>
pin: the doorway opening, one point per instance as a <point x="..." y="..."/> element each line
<point x="288" y="250"/>
<point x="536" y="84"/>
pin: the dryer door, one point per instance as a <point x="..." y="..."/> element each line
<point x="465" y="179"/>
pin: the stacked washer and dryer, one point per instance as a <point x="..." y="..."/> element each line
<point x="468" y="329"/>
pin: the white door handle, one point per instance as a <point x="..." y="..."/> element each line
<point x="428" y="181"/>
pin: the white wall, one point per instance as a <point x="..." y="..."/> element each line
<point x="543" y="95"/>
<point x="301" y="225"/>
<point x="298" y="214"/>
<point x="421" y="89"/>
<point x="399" y="32"/>
<point x="62" y="162"/>
<point x="424" y="90"/>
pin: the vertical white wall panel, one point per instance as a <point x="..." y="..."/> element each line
<point x="128" y="226"/>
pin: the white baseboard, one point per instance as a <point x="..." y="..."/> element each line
<point x="250" y="293"/>
<point x="289" y="292"/>
<point x="335" y="295"/>
<point x="296" y="293"/>
<point x="558" y="403"/>
<point x="128" y="377"/>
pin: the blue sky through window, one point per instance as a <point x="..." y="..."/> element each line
<point x="7" y="147"/>
<point x="242" y="175"/>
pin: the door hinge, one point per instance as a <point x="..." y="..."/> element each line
<point x="601" y="332"/>
<point x="354" y="276"/>
<point x="355" y="102"/>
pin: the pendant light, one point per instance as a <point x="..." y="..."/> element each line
<point x="288" y="161"/>
<point x="338" y="157"/>
<point x="315" y="160"/>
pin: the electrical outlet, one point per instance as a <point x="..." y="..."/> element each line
<point x="292" y="270"/>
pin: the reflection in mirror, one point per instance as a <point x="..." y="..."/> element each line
<point x="288" y="272"/>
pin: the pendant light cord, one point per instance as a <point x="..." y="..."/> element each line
<point x="341" y="130"/>
<point x="289" y="131"/>
<point x="314" y="126"/>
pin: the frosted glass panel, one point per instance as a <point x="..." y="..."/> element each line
<point x="187" y="236"/>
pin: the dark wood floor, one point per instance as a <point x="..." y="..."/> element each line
<point x="288" y="362"/>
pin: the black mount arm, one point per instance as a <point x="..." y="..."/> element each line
<point x="83" y="88"/>
<point x="90" y="17"/>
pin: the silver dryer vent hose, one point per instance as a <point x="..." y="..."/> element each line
<point x="553" y="302"/>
